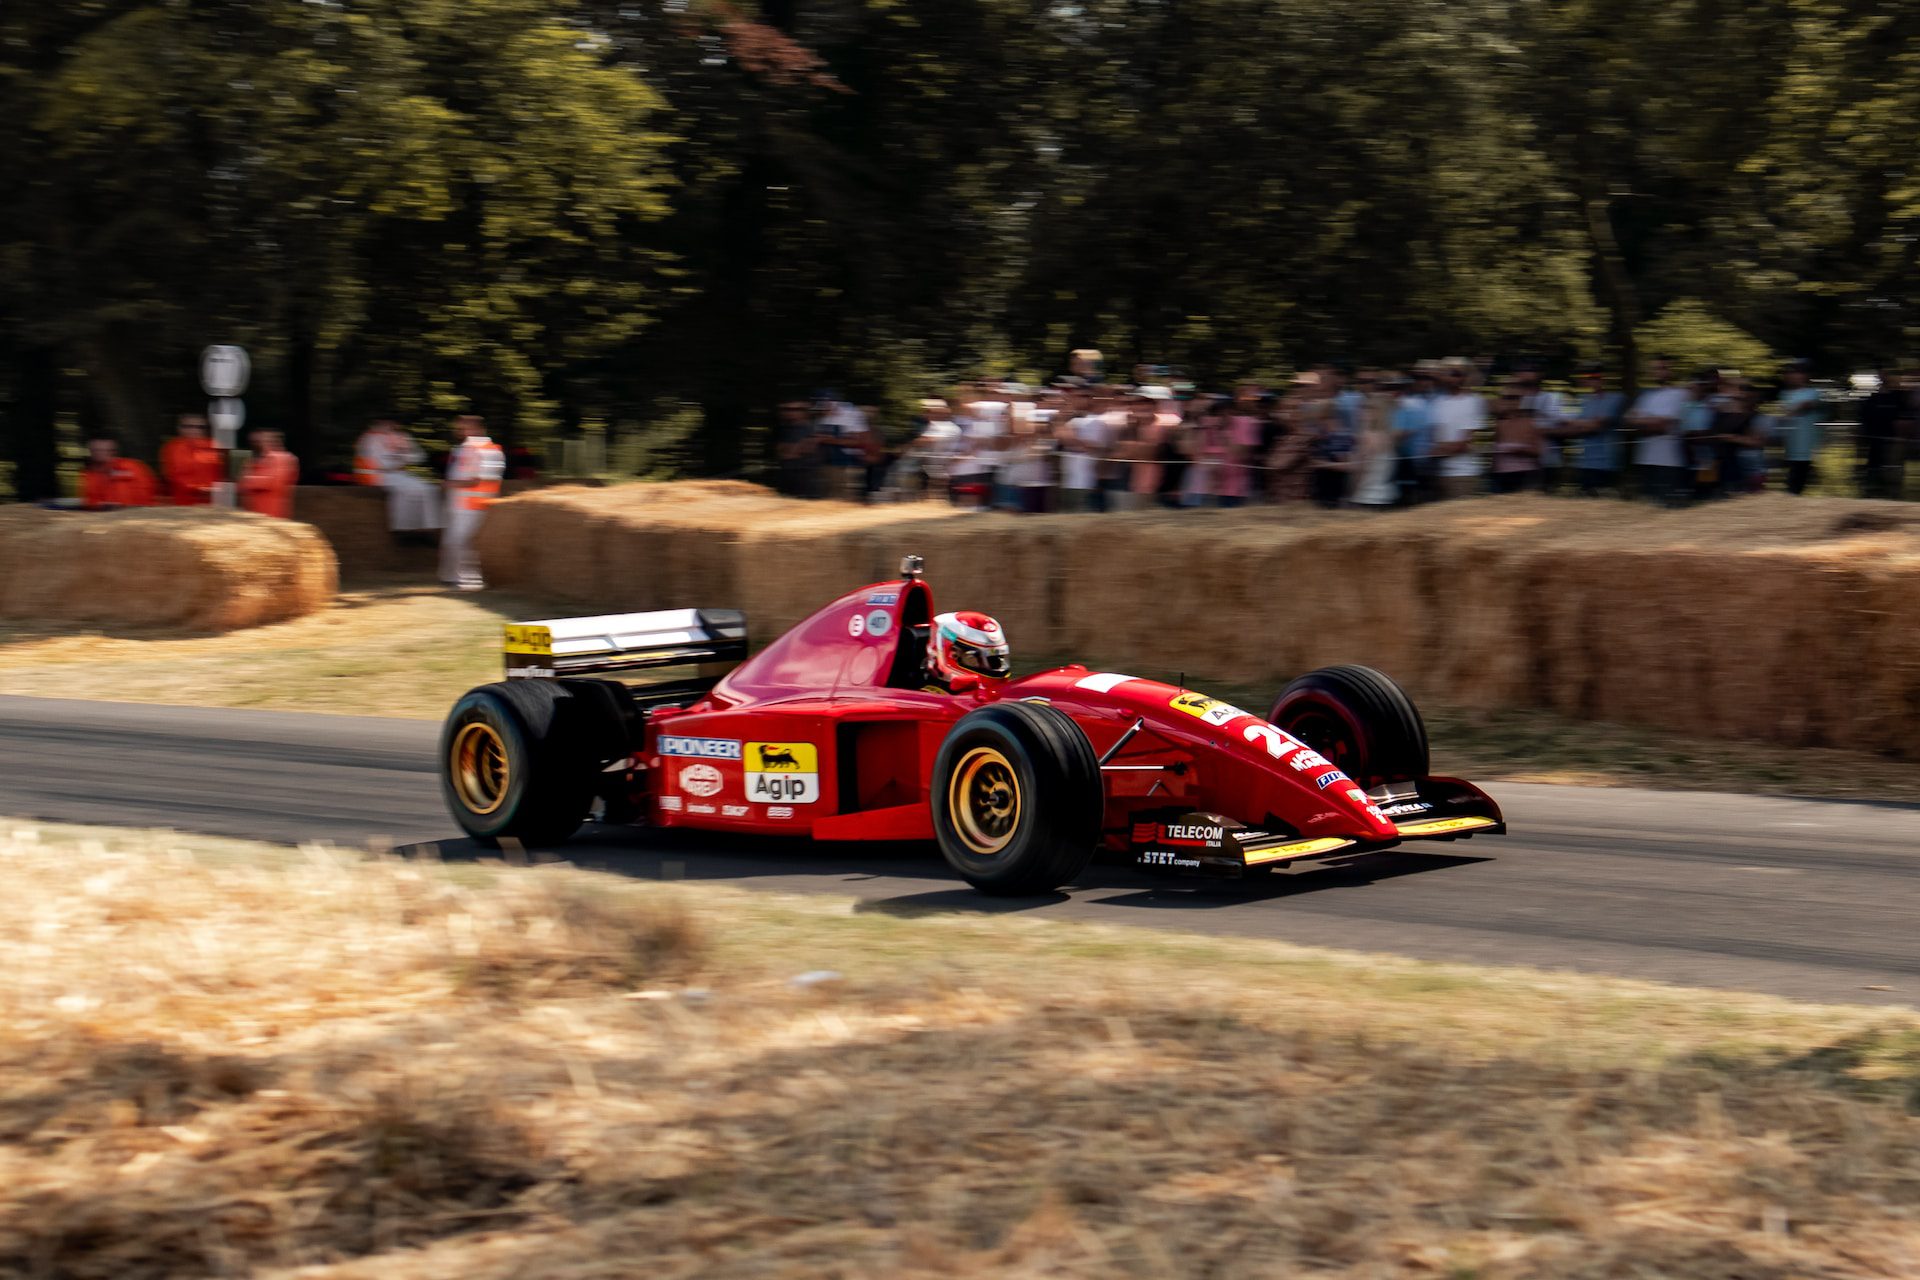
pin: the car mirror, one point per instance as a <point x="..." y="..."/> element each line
<point x="964" y="684"/>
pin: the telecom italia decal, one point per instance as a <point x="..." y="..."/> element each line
<point x="783" y="772"/>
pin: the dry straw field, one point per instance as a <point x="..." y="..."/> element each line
<point x="1795" y="621"/>
<point x="217" y="1059"/>
<point x="193" y="569"/>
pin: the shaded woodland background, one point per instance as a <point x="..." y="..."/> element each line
<point x="663" y="216"/>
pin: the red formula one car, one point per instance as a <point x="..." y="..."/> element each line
<point x="876" y="719"/>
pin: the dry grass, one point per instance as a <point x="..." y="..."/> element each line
<point x="213" y="1061"/>
<point x="393" y="650"/>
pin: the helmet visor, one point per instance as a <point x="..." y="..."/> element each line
<point x="987" y="660"/>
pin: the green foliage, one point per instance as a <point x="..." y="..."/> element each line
<point x="1697" y="339"/>
<point x="570" y="212"/>
<point x="428" y="201"/>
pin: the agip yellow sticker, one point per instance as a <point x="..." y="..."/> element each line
<point x="782" y="772"/>
<point x="1212" y="710"/>
<point x="782" y="757"/>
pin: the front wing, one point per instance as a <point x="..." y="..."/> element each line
<point x="1211" y="844"/>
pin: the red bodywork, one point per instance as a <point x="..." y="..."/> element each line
<point x="830" y="732"/>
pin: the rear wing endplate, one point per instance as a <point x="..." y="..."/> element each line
<point x="669" y="657"/>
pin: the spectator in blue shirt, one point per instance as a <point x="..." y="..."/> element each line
<point x="1592" y="433"/>
<point x="1802" y="406"/>
<point x="1412" y="427"/>
<point x="1696" y="433"/>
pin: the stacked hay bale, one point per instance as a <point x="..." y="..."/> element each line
<point x="1774" y="618"/>
<point x="714" y="543"/>
<point x="191" y="569"/>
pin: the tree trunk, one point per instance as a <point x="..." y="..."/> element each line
<point x="28" y="434"/>
<point x="298" y="426"/>
<point x="733" y="373"/>
<point x="1623" y="300"/>
<point x="118" y="385"/>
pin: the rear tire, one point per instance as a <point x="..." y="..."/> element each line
<point x="521" y="759"/>
<point x="1017" y="799"/>
<point x="1359" y="719"/>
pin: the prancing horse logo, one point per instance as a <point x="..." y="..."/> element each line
<point x="777" y="758"/>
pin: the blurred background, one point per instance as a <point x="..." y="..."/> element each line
<point x="642" y="224"/>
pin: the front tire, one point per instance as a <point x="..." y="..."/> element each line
<point x="520" y="760"/>
<point x="1359" y="719"/>
<point x="1017" y="799"/>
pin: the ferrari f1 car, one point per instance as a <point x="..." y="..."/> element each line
<point x="833" y="731"/>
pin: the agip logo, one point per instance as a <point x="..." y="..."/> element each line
<point x="783" y="772"/>
<point x="1212" y="710"/>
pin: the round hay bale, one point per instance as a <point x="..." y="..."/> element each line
<point x="192" y="569"/>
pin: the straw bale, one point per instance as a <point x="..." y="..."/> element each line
<point x="353" y="519"/>
<point x="193" y="569"/>
<point x="1772" y="618"/>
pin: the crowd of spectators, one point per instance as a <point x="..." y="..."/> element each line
<point x="1335" y="436"/>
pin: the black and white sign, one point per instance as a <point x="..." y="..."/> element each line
<point x="224" y="372"/>
<point x="226" y="416"/>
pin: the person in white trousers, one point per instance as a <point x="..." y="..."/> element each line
<point x="473" y="482"/>
<point x="381" y="459"/>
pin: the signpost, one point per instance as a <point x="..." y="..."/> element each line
<point x="224" y="373"/>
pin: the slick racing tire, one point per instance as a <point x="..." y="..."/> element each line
<point x="1017" y="799"/>
<point x="521" y="759"/>
<point x="1357" y="718"/>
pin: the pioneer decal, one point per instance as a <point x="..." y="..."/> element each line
<point x="710" y="748"/>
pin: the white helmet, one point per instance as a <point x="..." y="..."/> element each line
<point x="968" y="644"/>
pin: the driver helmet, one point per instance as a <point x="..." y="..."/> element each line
<point x="968" y="643"/>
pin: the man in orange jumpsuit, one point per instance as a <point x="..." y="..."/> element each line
<point x="191" y="463"/>
<point x="267" y="486"/>
<point x="113" y="481"/>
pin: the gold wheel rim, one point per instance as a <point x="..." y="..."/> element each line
<point x="984" y="799"/>
<point x="480" y="771"/>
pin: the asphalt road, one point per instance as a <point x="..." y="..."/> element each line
<point x="1806" y="898"/>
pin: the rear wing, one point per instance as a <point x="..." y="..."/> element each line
<point x="667" y="658"/>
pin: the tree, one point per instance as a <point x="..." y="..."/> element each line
<point x="430" y="199"/>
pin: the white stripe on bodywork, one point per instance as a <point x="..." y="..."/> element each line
<point x="1105" y="682"/>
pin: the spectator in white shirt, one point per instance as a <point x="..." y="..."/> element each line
<point x="1458" y="414"/>
<point x="1659" y="454"/>
<point x="381" y="458"/>
<point x="845" y="425"/>
<point x="932" y="452"/>
<point x="1083" y="439"/>
<point x="977" y="456"/>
